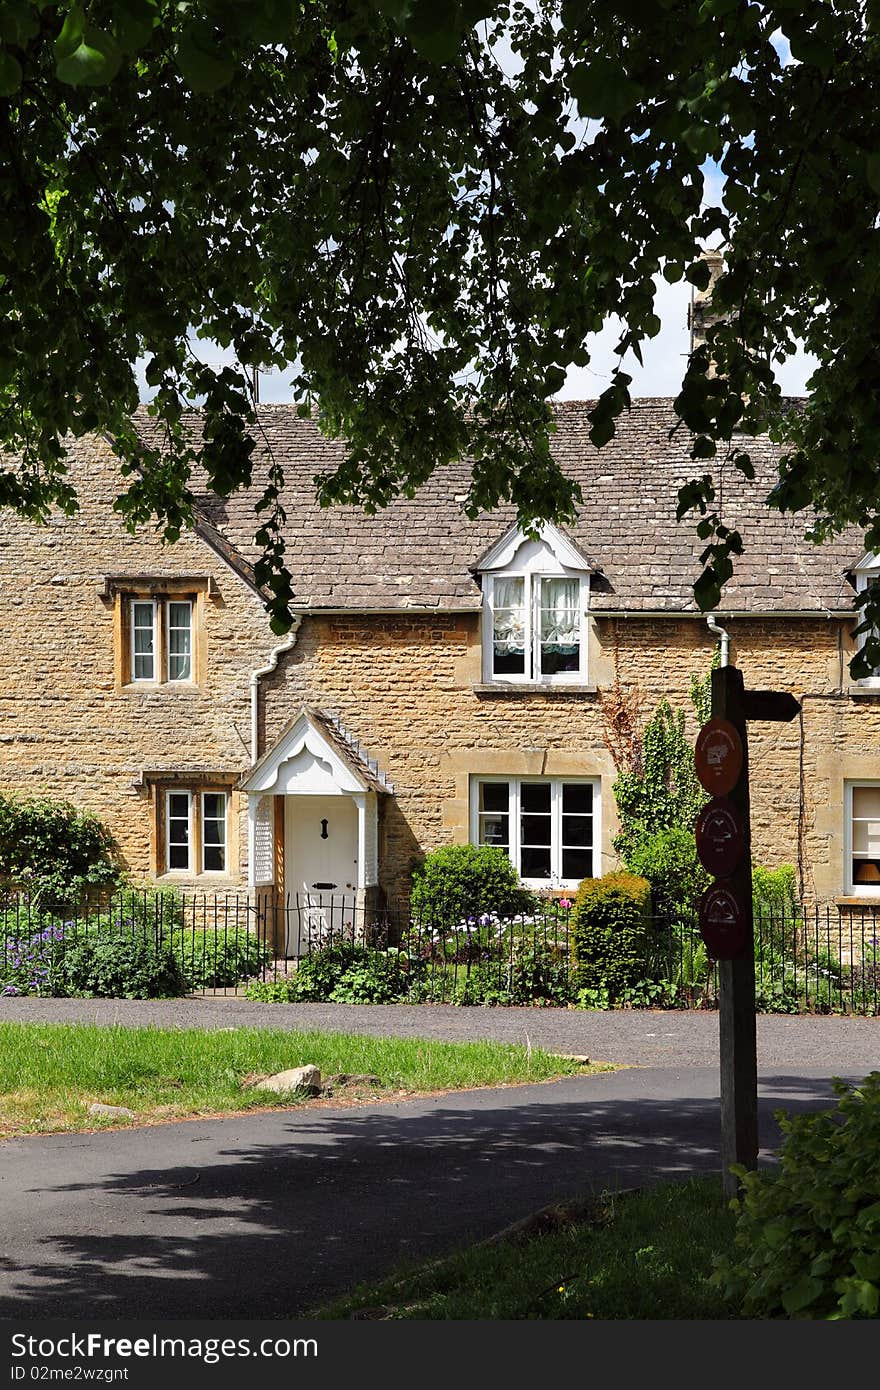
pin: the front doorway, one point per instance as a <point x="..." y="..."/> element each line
<point x="320" y="867"/>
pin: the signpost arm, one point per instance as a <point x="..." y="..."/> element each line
<point x="737" y="1028"/>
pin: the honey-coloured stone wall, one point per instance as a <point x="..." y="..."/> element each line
<point x="67" y="728"/>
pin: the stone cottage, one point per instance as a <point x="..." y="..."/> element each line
<point x="443" y="680"/>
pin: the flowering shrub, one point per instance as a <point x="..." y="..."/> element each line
<point x="31" y="962"/>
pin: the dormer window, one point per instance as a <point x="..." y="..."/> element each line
<point x="866" y="573"/>
<point x="535" y="602"/>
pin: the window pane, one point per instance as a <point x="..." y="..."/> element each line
<point x="215" y="805"/>
<point x="560" y="626"/>
<point x="494" y="829"/>
<point x="577" y="830"/>
<point x="577" y="863"/>
<point x="535" y="862"/>
<point x="509" y="631"/>
<point x="179" y="641"/>
<point x="177" y="830"/>
<point x="535" y="796"/>
<point x="866" y="871"/>
<point x="866" y="802"/>
<point x="535" y="830"/>
<point x="577" y="797"/>
<point x="866" y="838"/>
<point x="215" y="858"/>
<point x="142" y="621"/>
<point x="494" y="796"/>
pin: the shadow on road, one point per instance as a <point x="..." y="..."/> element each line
<point x="237" y="1228"/>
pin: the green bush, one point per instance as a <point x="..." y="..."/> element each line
<point x="667" y="858"/>
<point x="774" y="893"/>
<point x="346" y="974"/>
<point x="270" y="991"/>
<point x="51" y="850"/>
<point x="460" y="882"/>
<point x="109" y="964"/>
<point x="809" y="1235"/>
<point x="611" y="933"/>
<point x="215" y="958"/>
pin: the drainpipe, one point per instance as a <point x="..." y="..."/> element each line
<point x="719" y="632"/>
<point x="256" y="676"/>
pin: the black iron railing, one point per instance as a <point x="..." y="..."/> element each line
<point x="149" y="943"/>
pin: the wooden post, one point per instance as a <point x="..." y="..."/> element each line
<point x="737" y="1029"/>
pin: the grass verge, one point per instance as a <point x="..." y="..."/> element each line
<point x="645" y="1255"/>
<point x="51" y="1073"/>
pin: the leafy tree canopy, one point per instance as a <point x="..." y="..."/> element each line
<point x="430" y="234"/>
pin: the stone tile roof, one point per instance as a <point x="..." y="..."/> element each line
<point x="418" y="553"/>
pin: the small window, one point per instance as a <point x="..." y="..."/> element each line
<point x="213" y="832"/>
<point x="160" y="640"/>
<point x="194" y="830"/>
<point x="178" y="830"/>
<point x="180" y="640"/>
<point x="863" y="838"/>
<point x="143" y="640"/>
<point x="547" y="826"/>
<point x="537" y="627"/>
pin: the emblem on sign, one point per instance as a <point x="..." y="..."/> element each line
<point x="722" y="922"/>
<point x="720" y="839"/>
<point x="718" y="756"/>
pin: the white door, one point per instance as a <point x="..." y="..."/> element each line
<point x="321" y="868"/>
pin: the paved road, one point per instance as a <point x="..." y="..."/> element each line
<point x="637" y="1037"/>
<point x="268" y="1215"/>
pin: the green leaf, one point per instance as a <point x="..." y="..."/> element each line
<point x="707" y="591"/>
<point x="134" y="22"/>
<point x="602" y="89"/>
<point x="801" y="1294"/>
<point x="10" y="74"/>
<point x="203" y="65"/>
<point x="93" y="63"/>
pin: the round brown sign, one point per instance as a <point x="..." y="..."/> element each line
<point x="720" y="838"/>
<point x="718" y="756"/>
<point x="722" y="922"/>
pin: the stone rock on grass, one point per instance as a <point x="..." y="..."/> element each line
<point x="119" y="1112"/>
<point x="306" y="1079"/>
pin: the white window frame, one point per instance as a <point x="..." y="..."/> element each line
<point x="867" y="573"/>
<point x="515" y="784"/>
<point x="853" y="889"/>
<point x="152" y="604"/>
<point x="178" y="791"/>
<point x="181" y="602"/>
<point x="224" y="821"/>
<point x="533" y="675"/>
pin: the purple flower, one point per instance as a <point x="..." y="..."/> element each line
<point x="11" y="989"/>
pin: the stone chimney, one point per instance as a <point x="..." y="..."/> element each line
<point x="700" y="315"/>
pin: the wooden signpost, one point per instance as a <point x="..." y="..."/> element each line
<point x="723" y="833"/>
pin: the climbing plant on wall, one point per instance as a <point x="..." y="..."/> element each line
<point x="659" y="797"/>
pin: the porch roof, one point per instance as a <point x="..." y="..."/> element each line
<point x="336" y="741"/>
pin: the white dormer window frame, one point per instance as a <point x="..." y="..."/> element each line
<point x="867" y="572"/>
<point x="536" y="596"/>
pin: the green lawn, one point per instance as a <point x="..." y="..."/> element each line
<point x="634" y="1255"/>
<point x="51" y="1073"/>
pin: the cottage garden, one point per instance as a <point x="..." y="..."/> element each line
<point x="471" y="933"/>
